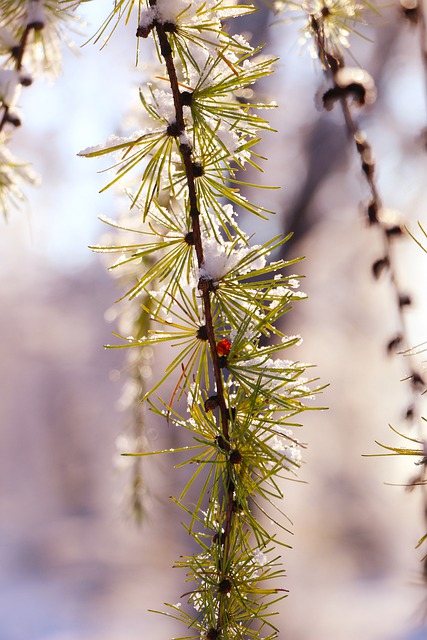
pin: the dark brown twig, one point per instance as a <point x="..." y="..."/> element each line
<point x="389" y="227"/>
<point x="206" y="288"/>
<point x="18" y="54"/>
<point x="376" y="214"/>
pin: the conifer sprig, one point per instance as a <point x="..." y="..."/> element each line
<point x="211" y="295"/>
<point x="328" y="22"/>
<point x="31" y="35"/>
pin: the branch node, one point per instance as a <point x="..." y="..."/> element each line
<point x="404" y="300"/>
<point x="186" y="98"/>
<point x="235" y="457"/>
<point x="198" y="170"/>
<point x="206" y="285"/>
<point x="211" y="403"/>
<point x="373" y="212"/>
<point x="174" y="130"/>
<point x="224" y="586"/>
<point x="394" y="343"/>
<point x="202" y="333"/>
<point x="222" y="362"/>
<point x="380" y="265"/>
<point x="169" y="27"/>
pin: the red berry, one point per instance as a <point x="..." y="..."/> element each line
<point x="223" y="347"/>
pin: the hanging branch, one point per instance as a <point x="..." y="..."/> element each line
<point x="12" y="82"/>
<point x="212" y="296"/>
<point x="30" y="35"/>
<point x="354" y="84"/>
<point x="329" y="25"/>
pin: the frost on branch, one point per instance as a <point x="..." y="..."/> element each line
<point x="215" y="299"/>
<point x="31" y="37"/>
